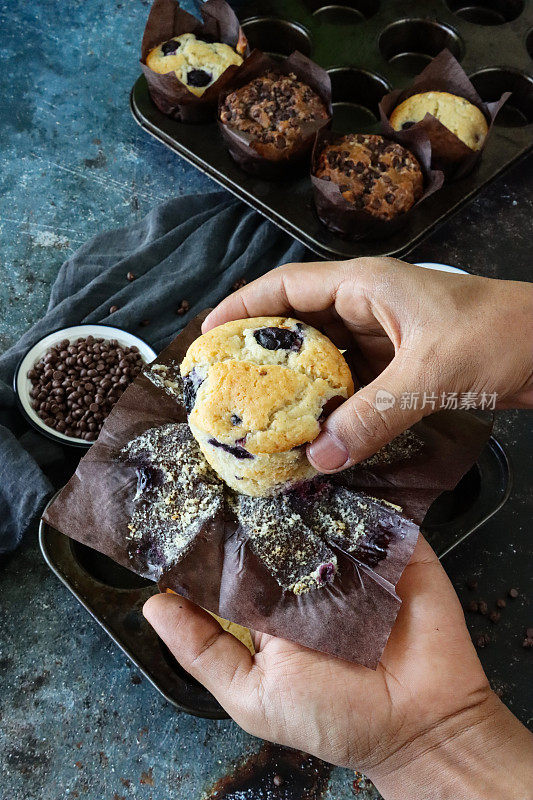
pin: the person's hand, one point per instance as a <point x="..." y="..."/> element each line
<point x="425" y="725"/>
<point x="409" y="330"/>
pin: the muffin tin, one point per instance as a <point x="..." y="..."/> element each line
<point x="370" y="47"/>
<point x="114" y="596"/>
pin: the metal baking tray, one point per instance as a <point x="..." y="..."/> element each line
<point x="369" y="48"/>
<point x="114" y="596"/>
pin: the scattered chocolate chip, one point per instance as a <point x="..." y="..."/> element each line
<point x="113" y="309"/>
<point x="239" y="284"/>
<point x="472" y="606"/>
<point x="130" y="276"/>
<point x="528" y="642"/>
<point x="182" y="308"/>
<point x="500" y="602"/>
<point x="482" y="640"/>
<point x="483" y="607"/>
<point x="513" y="593"/>
<point x="495" y="616"/>
<point x="472" y="583"/>
<point x="144" y="322"/>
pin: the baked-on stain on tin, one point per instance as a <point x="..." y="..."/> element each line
<point x="274" y="773"/>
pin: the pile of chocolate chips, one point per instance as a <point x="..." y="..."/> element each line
<point x="75" y="385"/>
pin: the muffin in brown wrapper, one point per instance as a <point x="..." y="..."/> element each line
<point x="344" y="217"/>
<point x="250" y="154"/>
<point x="221" y="567"/>
<point x="167" y="20"/>
<point x="448" y="153"/>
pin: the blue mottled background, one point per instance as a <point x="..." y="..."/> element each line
<point x="75" y="720"/>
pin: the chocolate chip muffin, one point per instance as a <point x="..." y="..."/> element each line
<point x="272" y="110"/>
<point x="373" y="174"/>
<point x="256" y="392"/>
<point x="460" y="116"/>
<point x="196" y="63"/>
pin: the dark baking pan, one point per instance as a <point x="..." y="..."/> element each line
<point x="114" y="596"/>
<point x="369" y="48"/>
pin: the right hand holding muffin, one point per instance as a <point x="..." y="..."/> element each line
<point x="410" y="332"/>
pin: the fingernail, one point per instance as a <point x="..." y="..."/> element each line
<point x="327" y="453"/>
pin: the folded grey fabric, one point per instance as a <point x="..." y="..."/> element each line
<point x="191" y="248"/>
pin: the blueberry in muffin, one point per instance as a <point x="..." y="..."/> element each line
<point x="256" y="390"/>
<point x="374" y="175"/>
<point x="272" y="110"/>
<point x="458" y="115"/>
<point x="195" y="62"/>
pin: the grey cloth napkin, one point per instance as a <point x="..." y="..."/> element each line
<point x="191" y="248"/>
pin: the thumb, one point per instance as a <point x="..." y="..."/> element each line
<point x="369" y="419"/>
<point x="215" y="658"/>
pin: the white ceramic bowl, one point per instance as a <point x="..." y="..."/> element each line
<point x="22" y="384"/>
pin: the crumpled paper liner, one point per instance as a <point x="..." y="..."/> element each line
<point x="352" y="617"/>
<point x="251" y="155"/>
<point x="448" y="152"/>
<point x="341" y="216"/>
<point x="167" y="19"/>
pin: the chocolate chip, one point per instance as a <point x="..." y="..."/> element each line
<point x="500" y="602"/>
<point x="482" y="640"/>
<point x="130" y="276"/>
<point x="198" y="77"/>
<point x="495" y="616"/>
<point x="69" y="383"/>
<point x="182" y="308"/>
<point x="472" y="583"/>
<point x="239" y="284"/>
<point x="513" y="593"/>
<point x="113" y="309"/>
<point x="528" y="642"/>
<point x="472" y="606"/>
<point x="483" y="607"/>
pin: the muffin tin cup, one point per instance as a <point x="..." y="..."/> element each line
<point x="166" y="20"/>
<point x="449" y="153"/>
<point x="352" y="223"/>
<point x="249" y="154"/>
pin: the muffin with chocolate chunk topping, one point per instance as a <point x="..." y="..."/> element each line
<point x="276" y="114"/>
<point x="257" y="391"/>
<point x="374" y="175"/>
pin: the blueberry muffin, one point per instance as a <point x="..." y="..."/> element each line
<point x="196" y="63"/>
<point x="462" y="118"/>
<point x="271" y="109"/>
<point x="256" y="392"/>
<point x="373" y="174"/>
